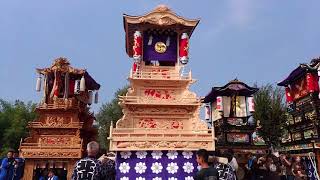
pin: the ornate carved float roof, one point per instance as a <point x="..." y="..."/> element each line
<point x="62" y="64"/>
<point x="233" y="87"/>
<point x="300" y="71"/>
<point x="161" y="16"/>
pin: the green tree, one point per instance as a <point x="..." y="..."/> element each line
<point x="109" y="112"/>
<point x="270" y="112"/>
<point x="14" y="118"/>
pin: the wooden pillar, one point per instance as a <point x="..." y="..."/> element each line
<point x="70" y="168"/>
<point x="28" y="169"/>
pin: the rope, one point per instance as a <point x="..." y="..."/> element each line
<point x="313" y="163"/>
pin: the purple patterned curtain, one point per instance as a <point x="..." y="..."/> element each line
<point x="150" y="54"/>
<point x="156" y="165"/>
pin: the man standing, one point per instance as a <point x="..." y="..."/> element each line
<point x="52" y="176"/>
<point x="18" y="167"/>
<point x="207" y="172"/>
<point x="88" y="168"/>
<point x="7" y="166"/>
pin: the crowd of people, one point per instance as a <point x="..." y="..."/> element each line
<point x="224" y="166"/>
<point x="276" y="167"/>
<point x="90" y="167"/>
<point x="218" y="166"/>
<point x="12" y="166"/>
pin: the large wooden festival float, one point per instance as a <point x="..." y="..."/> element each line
<point x="303" y="105"/>
<point x="64" y="124"/>
<point x="160" y="131"/>
<point x="229" y="110"/>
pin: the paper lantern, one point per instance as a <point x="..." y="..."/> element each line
<point x="208" y="112"/>
<point x="77" y="87"/>
<point x="82" y="84"/>
<point x="312" y="83"/>
<point x="90" y="97"/>
<point x="38" y="86"/>
<point x="250" y="104"/>
<point x="184" y="48"/>
<point x="288" y="95"/>
<point x="96" y="97"/>
<point x="137" y="46"/>
<point x="219" y="106"/>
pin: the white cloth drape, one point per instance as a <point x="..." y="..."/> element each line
<point x="226" y="106"/>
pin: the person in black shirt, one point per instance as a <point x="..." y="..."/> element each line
<point x="207" y="172"/>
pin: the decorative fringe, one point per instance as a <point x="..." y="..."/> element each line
<point x="77" y="87"/>
<point x="96" y="97"/>
<point x="66" y="86"/>
<point x="168" y="41"/>
<point x="90" y="97"/>
<point x="82" y="84"/>
<point x="38" y="86"/>
<point x="150" y="40"/>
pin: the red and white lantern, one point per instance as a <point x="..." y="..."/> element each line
<point x="250" y="104"/>
<point x="289" y="97"/>
<point x="312" y="82"/>
<point x="219" y="106"/>
<point x="208" y="112"/>
<point x="184" y="48"/>
<point x="137" y="46"/>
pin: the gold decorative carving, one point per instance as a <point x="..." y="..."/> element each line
<point x="61" y="64"/>
<point x="49" y="141"/>
<point x="57" y="121"/>
<point x="50" y="154"/>
<point x="163" y="144"/>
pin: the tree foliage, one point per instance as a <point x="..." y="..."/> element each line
<point x="270" y="111"/>
<point x="109" y="112"/>
<point x="14" y="118"/>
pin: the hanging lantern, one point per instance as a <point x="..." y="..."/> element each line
<point x="208" y="112"/>
<point x="96" y="97"/>
<point x="90" y="97"/>
<point x="137" y="46"/>
<point x="289" y="98"/>
<point x="77" y="87"/>
<point x="219" y="103"/>
<point x="83" y="84"/>
<point x="38" y="86"/>
<point x="250" y="104"/>
<point x="134" y="67"/>
<point x="312" y="83"/>
<point x="184" y="48"/>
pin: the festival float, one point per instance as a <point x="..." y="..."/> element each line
<point x="160" y="131"/>
<point x="302" y="126"/>
<point x="229" y="110"/>
<point x="64" y="125"/>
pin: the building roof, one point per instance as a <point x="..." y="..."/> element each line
<point x="160" y="17"/>
<point x="233" y="87"/>
<point x="300" y="71"/>
<point x="63" y="65"/>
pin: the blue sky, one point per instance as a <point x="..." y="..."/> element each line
<point x="255" y="41"/>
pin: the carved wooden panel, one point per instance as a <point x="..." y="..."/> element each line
<point x="159" y="124"/>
